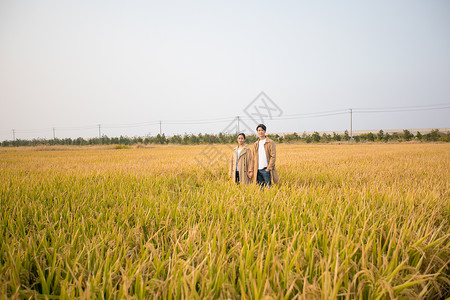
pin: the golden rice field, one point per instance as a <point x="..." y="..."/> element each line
<point x="366" y="221"/>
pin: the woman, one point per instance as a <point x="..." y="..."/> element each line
<point x="240" y="171"/>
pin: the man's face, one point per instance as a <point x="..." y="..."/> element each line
<point x="261" y="132"/>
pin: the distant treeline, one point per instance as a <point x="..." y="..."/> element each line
<point x="192" y="139"/>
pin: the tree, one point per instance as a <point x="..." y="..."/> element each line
<point x="380" y="135"/>
<point x="186" y="139"/>
<point x="176" y="139"/>
<point x="316" y="136"/>
<point x="308" y="138"/>
<point x="336" y="137"/>
<point x="434" y="135"/>
<point x="419" y="136"/>
<point x="290" y="137"/>
<point x="407" y="135"/>
<point x="346" y="136"/>
<point x="395" y="136"/>
<point x="161" y="139"/>
<point x="326" y="137"/>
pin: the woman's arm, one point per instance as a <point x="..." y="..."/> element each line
<point x="250" y="164"/>
<point x="273" y="154"/>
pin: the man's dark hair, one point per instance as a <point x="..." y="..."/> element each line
<point x="262" y="126"/>
<point x="242" y="135"/>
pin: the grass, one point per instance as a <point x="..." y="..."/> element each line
<point x="348" y="221"/>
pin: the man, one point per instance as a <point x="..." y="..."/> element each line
<point x="263" y="161"/>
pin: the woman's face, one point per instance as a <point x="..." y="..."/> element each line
<point x="241" y="140"/>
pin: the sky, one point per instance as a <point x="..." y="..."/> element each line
<point x="139" y="68"/>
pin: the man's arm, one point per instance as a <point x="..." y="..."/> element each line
<point x="250" y="165"/>
<point x="273" y="153"/>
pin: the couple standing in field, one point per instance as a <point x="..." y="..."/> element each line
<point x="257" y="164"/>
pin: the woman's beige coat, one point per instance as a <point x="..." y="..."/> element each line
<point x="244" y="163"/>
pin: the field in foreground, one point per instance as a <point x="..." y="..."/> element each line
<point x="348" y="221"/>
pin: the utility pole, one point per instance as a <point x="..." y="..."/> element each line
<point x="54" y="136"/>
<point x="99" y="133"/>
<point x="351" y="123"/>
<point x="14" y="135"/>
<point x="238" y="125"/>
<point x="160" y="130"/>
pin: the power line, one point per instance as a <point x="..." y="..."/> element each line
<point x="404" y="107"/>
<point x="141" y="124"/>
<point x="199" y="122"/>
<point x="401" y="110"/>
<point x="33" y="130"/>
<point x="78" y="128"/>
<point x="317" y="115"/>
<point x="439" y="106"/>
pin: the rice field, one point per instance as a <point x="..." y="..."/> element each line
<point x="368" y="221"/>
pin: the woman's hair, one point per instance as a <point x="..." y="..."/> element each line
<point x="242" y="135"/>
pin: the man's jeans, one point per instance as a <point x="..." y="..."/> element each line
<point x="263" y="178"/>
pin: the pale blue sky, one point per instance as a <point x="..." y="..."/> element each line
<point x="68" y="64"/>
